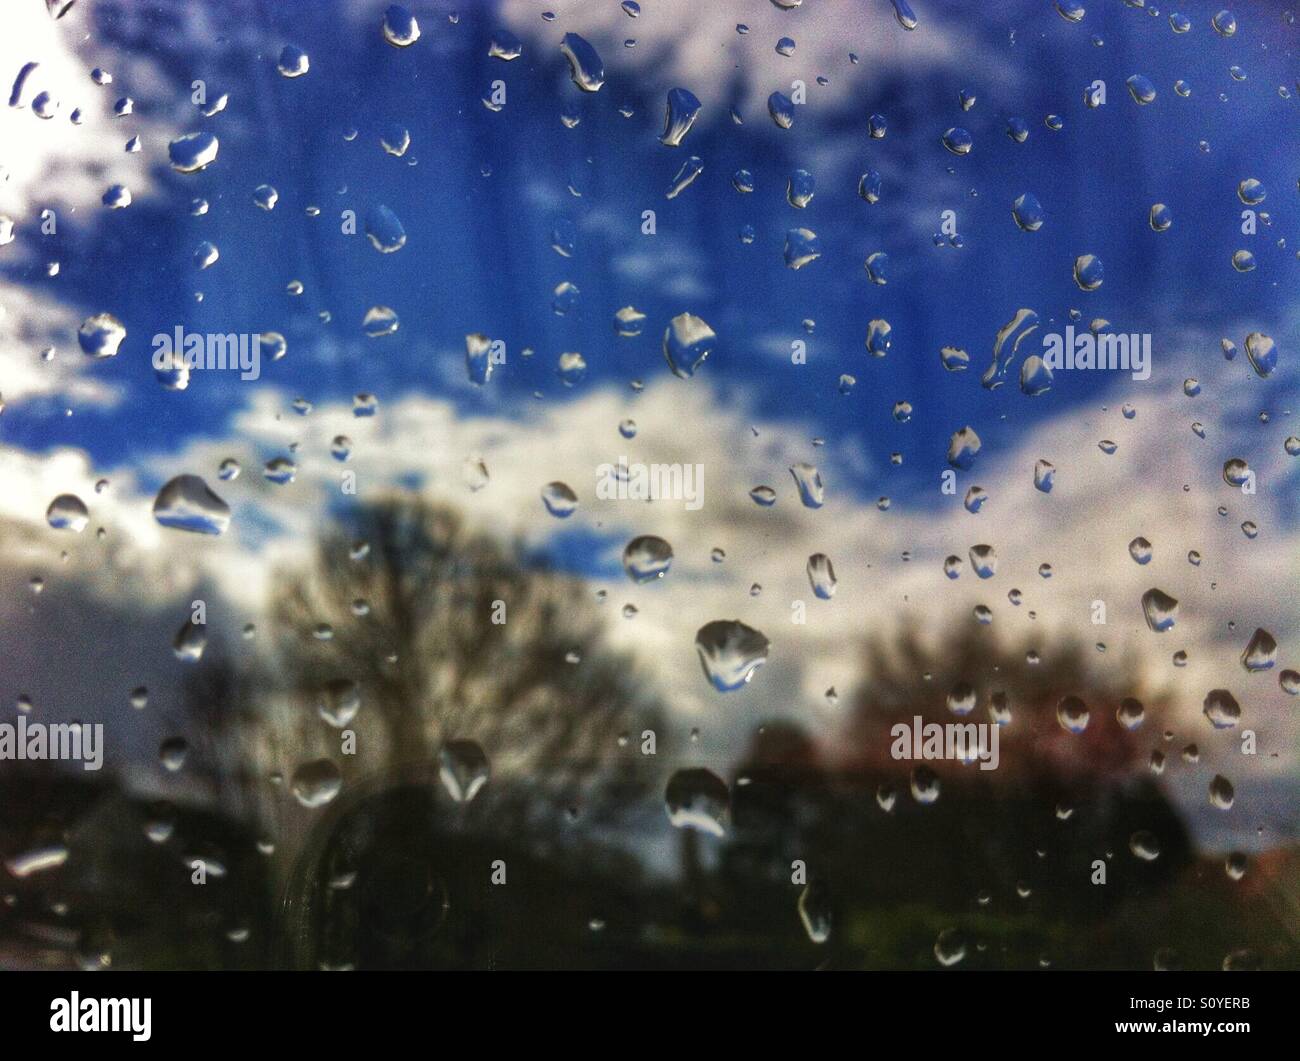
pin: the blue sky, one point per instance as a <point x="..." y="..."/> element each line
<point x="478" y="257"/>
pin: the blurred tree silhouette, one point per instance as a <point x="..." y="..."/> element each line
<point x="448" y="638"/>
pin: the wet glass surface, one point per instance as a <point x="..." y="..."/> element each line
<point x="669" y="485"/>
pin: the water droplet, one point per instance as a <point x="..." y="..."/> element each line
<point x="559" y="499"/>
<point x="379" y="321"/>
<point x="1028" y="213"/>
<point x="698" y="799"/>
<point x="811" y="490"/>
<point x="877" y="267"/>
<point x="1221" y="708"/>
<point x="688" y="341"/>
<point x="172" y="753"/>
<point x="958" y="141"/>
<point x="879" y="334"/>
<point x="903" y="12"/>
<point x="1024" y="323"/>
<point x="690" y="169"/>
<point x="384" y="230"/>
<point x="1130" y="714"/>
<point x="463" y="769"/>
<point x="680" y="113"/>
<point x="192" y="152"/>
<point x="963" y="447"/>
<point x="37" y="860"/>
<point x="316" y="783"/>
<point x="1044" y="476"/>
<point x="67" y="512"/>
<point x="1088" y="272"/>
<point x="730" y="652"/>
<point x="185" y="503"/>
<point x="815" y="911"/>
<point x="1261" y="351"/>
<point x="821" y="576"/>
<point x="950" y="947"/>
<point x="781" y="110"/>
<point x="505" y="46"/>
<point x="1144" y="845"/>
<point x="401" y="30"/>
<point x="1160" y="610"/>
<point x="647" y="558"/>
<point x="100" y="336"/>
<point x="924" y="784"/>
<point x="984" y="560"/>
<point x="1261" y="652"/>
<point x="338" y="702"/>
<point x="1073" y="715"/>
<point x="1141" y="89"/>
<point x="1222" y="794"/>
<point x="800" y="188"/>
<point x="190" y="641"/>
<point x="801" y="247"/>
<point x="293" y="61"/>
<point x="585" y="67"/>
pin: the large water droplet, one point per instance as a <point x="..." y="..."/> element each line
<point x="1221" y="708"/>
<point x="1262" y="353"/>
<point x="688" y="341"/>
<point x="463" y="769"/>
<point x="781" y="109"/>
<point x="384" y="230"/>
<point x="1024" y="323"/>
<point x="647" y="558"/>
<point x="585" y="67"/>
<point x="559" y="499"/>
<point x="67" y="512"/>
<point x="698" y="799"/>
<point x="1160" y="610"/>
<point x="185" y="503"/>
<point x="293" y="61"/>
<point x="101" y="335"/>
<point x="801" y="247"/>
<point x="821" y="576"/>
<point x="401" y="30"/>
<point x="1261" y="652"/>
<point x="192" y="152"/>
<point x="809" y="480"/>
<point x="316" y="783"/>
<point x="680" y="114"/>
<point x="1088" y="273"/>
<point x="1072" y="713"/>
<point x="963" y="447"/>
<point x="1028" y="212"/>
<point x="730" y="652"/>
